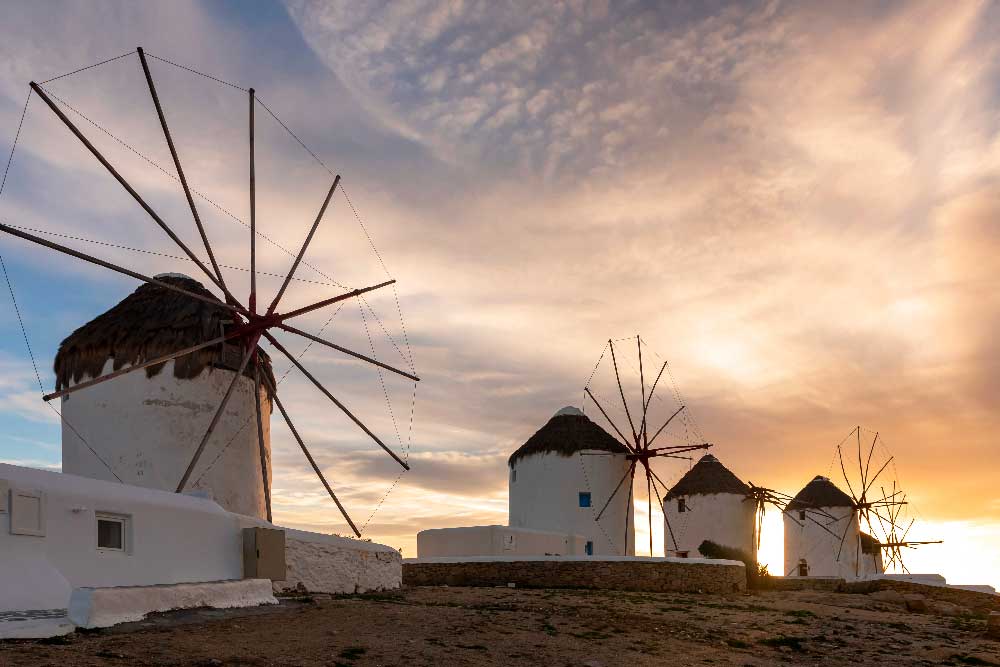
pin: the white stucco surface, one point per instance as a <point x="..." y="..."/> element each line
<point x="319" y="563"/>
<point x="104" y="607"/>
<point x="496" y="541"/>
<point x="147" y="430"/>
<point x="170" y="538"/>
<point x="723" y="518"/>
<point x="544" y="495"/>
<point x="820" y="545"/>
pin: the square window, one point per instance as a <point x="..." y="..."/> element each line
<point x="589" y="548"/>
<point x="584" y="499"/>
<point x="513" y="476"/>
<point x="110" y="533"/>
<point x="681" y="505"/>
<point x="802" y="515"/>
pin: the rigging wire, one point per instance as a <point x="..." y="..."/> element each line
<point x="17" y="310"/>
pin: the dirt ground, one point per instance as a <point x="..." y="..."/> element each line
<point x="499" y="626"/>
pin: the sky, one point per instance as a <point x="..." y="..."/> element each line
<point x="796" y="204"/>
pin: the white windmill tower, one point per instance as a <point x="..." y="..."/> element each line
<point x="558" y="476"/>
<point x="708" y="503"/>
<point x="823" y="537"/>
<point x="148" y="423"/>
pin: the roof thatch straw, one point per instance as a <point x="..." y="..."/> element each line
<point x="820" y="492"/>
<point x="151" y="322"/>
<point x="708" y="476"/>
<point x="565" y="435"/>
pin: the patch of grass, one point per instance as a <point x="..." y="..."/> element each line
<point x="800" y="613"/>
<point x="352" y="652"/>
<point x="737" y="643"/>
<point x="472" y="647"/>
<point x="590" y="634"/>
<point x="668" y="609"/>
<point x="549" y="629"/>
<point x="794" y="643"/>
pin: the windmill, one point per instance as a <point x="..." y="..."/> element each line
<point x="879" y="503"/>
<point x="641" y="446"/>
<point x="250" y="324"/>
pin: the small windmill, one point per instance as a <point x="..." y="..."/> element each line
<point x="640" y="446"/>
<point x="250" y="324"/>
<point x="761" y="497"/>
<point x="879" y="510"/>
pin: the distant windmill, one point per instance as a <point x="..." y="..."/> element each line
<point x="880" y="509"/>
<point x="636" y="437"/>
<point x="249" y="325"/>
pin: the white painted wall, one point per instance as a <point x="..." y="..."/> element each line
<point x="821" y="549"/>
<point x="147" y="430"/>
<point x="545" y="496"/>
<point x="173" y="538"/>
<point x="723" y="518"/>
<point x="497" y="541"/>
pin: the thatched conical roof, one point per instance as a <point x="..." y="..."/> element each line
<point x="568" y="432"/>
<point x="820" y="492"/>
<point x="151" y="322"/>
<point x="705" y="477"/>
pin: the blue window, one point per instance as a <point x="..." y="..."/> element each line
<point x="589" y="548"/>
<point x="584" y="499"/>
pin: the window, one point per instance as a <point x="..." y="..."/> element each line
<point x="681" y="505"/>
<point x="803" y="568"/>
<point x="802" y="515"/>
<point x="110" y="533"/>
<point x="513" y="476"/>
<point x="584" y="499"/>
<point x="683" y="554"/>
<point x="588" y="548"/>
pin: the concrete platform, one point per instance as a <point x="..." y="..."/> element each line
<point x="104" y="607"/>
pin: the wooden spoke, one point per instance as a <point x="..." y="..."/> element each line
<point x="146" y="364"/>
<point x="628" y="510"/>
<point x="312" y="461"/>
<point x="615" y="492"/>
<point x="217" y="416"/>
<point x="843" y="470"/>
<point x="253" y="214"/>
<point x="667" y="423"/>
<point x="343" y="408"/>
<point x="302" y="250"/>
<point x="332" y="300"/>
<point x="356" y="355"/>
<point x="884" y="465"/>
<point x="871" y="450"/>
<point x="135" y="195"/>
<point x="260" y="434"/>
<point x="635" y="437"/>
<point x="624" y="440"/>
<point x="180" y="173"/>
<point x="114" y="267"/>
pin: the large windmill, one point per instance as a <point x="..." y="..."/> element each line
<point x="643" y="447"/>
<point x="254" y="319"/>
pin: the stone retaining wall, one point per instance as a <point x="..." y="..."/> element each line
<point x="633" y="574"/>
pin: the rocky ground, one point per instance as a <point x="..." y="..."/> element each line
<point x="499" y="626"/>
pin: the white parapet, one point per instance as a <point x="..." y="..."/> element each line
<point x="104" y="607"/>
<point x="497" y="541"/>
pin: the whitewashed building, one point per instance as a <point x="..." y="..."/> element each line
<point x="561" y="478"/>
<point x="823" y="537"/>
<point x="144" y="427"/>
<point x="708" y="503"/>
<point x="558" y="481"/>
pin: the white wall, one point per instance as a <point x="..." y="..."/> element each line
<point x="821" y="549"/>
<point x="723" y="518"/>
<point x="147" y="430"/>
<point x="173" y="538"/>
<point x="545" y="496"/>
<point x="497" y="541"/>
